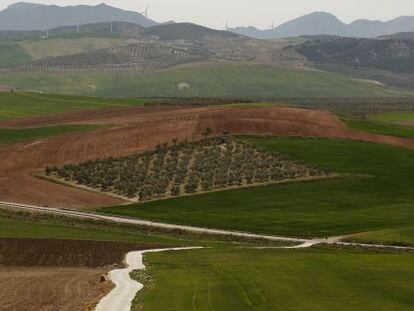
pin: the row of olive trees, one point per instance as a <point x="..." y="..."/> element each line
<point x="186" y="168"/>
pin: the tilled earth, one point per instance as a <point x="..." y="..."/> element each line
<point x="43" y="275"/>
<point x="50" y="289"/>
<point x="135" y="129"/>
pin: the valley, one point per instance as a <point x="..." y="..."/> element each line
<point x="153" y="164"/>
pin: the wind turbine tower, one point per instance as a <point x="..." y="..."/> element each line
<point x="145" y="13"/>
<point x="273" y="25"/>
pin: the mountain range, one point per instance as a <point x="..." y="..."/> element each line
<point x="321" y="23"/>
<point x="30" y="16"/>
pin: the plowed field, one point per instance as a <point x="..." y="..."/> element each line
<point x="56" y="275"/>
<point x="134" y="129"/>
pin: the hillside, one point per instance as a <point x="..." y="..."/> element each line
<point x="185" y="31"/>
<point x="209" y="80"/>
<point x="390" y="54"/>
<point x="321" y="23"/>
<point x="131" y="47"/>
<point x="29" y="16"/>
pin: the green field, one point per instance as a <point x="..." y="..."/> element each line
<point x="8" y="136"/>
<point x="380" y="127"/>
<point x="26" y="229"/>
<point x="376" y="193"/>
<point x="397" y="117"/>
<point x="14" y="105"/>
<point x="309" y="279"/>
<point x="204" y="81"/>
<point x="13" y="54"/>
<point x="404" y="235"/>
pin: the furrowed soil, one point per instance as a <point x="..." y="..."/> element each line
<point x="42" y="274"/>
<point x="64" y="253"/>
<point x="50" y="289"/>
<point x="136" y="129"/>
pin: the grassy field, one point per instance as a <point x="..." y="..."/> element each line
<point x="398" y="117"/>
<point x="14" y="105"/>
<point x="380" y="128"/>
<point x="309" y="279"/>
<point x="204" y="81"/>
<point x="27" y="229"/>
<point x="374" y="193"/>
<point x="404" y="235"/>
<point x="8" y="136"/>
<point x="13" y="54"/>
<point x="40" y="49"/>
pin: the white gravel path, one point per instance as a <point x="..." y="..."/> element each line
<point x="120" y="298"/>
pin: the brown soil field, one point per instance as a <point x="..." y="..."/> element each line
<point x="43" y="274"/>
<point x="5" y="88"/>
<point x="135" y="129"/>
<point x="50" y="289"/>
<point x="64" y="253"/>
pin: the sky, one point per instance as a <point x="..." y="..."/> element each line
<point x="258" y="13"/>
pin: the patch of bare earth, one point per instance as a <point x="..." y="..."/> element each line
<point x="136" y="129"/>
<point x="54" y="289"/>
<point x="6" y="88"/>
<point x="63" y="275"/>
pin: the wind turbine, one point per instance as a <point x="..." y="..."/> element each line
<point x="227" y="25"/>
<point x="273" y="25"/>
<point x="145" y="13"/>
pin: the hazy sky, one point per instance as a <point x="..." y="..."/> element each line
<point x="259" y="13"/>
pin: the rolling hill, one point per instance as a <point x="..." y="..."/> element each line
<point x="30" y="16"/>
<point x="130" y="47"/>
<point x="322" y="23"/>
<point x="208" y="80"/>
<point x="390" y="54"/>
<point x="388" y="61"/>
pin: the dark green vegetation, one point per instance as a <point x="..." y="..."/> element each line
<point x="388" y="61"/>
<point x="395" y="55"/>
<point x="204" y="81"/>
<point x="18" y="135"/>
<point x="309" y="279"/>
<point x="375" y="193"/>
<point x="13" y="54"/>
<point x="379" y="128"/>
<point x="14" y="105"/>
<point x="186" y="168"/>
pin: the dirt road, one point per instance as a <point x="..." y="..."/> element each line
<point x="300" y="243"/>
<point x="120" y="298"/>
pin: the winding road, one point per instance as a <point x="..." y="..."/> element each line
<point x="120" y="298"/>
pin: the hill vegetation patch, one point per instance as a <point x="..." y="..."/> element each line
<point x="188" y="168"/>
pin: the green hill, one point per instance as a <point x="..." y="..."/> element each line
<point x="203" y="81"/>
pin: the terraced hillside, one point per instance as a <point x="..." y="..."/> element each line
<point x="128" y="47"/>
<point x="142" y="57"/>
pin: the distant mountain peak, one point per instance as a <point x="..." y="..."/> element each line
<point x="23" y="5"/>
<point x="30" y="16"/>
<point x="323" y="23"/>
